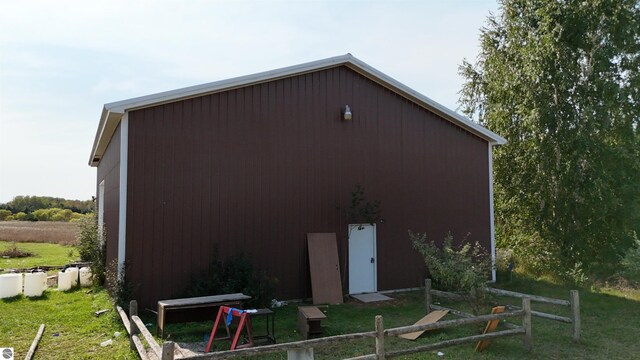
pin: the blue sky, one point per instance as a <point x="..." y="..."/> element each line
<point x="60" y="61"/>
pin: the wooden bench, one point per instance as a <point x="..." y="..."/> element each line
<point x="309" y="318"/>
<point x="202" y="302"/>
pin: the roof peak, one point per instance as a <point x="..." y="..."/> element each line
<point x="113" y="112"/>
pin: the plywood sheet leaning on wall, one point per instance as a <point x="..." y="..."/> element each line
<point x="326" y="286"/>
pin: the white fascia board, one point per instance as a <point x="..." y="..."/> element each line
<point x="415" y="96"/>
<point x="106" y="127"/>
<point x="216" y="86"/>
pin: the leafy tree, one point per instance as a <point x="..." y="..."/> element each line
<point x="29" y="204"/>
<point x="561" y="81"/>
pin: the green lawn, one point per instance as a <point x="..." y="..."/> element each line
<point x="45" y="254"/>
<point x="72" y="331"/>
<point x="609" y="317"/>
<point x="609" y="323"/>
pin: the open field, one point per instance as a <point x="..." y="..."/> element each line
<point x="609" y="327"/>
<point x="72" y="331"/>
<point x="45" y="254"/>
<point x="39" y="231"/>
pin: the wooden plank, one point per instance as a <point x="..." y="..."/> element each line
<point x="147" y="335"/>
<point x="124" y="318"/>
<point x="537" y="298"/>
<point x="491" y="327"/>
<point x="34" y="344"/>
<point x="326" y="285"/>
<point x="428" y="319"/>
<point x="203" y="300"/>
<point x="142" y="352"/>
<point x="312" y="313"/>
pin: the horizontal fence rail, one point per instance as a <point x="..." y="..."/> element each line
<point x="297" y="345"/>
<point x="537" y="298"/>
<point x="573" y="303"/>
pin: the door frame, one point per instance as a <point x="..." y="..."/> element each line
<point x="375" y="255"/>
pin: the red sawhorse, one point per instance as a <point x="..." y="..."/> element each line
<point x="245" y="322"/>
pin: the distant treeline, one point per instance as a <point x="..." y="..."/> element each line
<point x="44" y="208"/>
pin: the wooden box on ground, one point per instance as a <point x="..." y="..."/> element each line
<point x="309" y="318"/>
<point x="202" y="303"/>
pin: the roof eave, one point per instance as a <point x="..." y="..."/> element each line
<point x="113" y="112"/>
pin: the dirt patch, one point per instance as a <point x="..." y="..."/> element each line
<point x="63" y="233"/>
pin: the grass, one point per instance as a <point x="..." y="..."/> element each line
<point x="45" y="254"/>
<point x="72" y="331"/>
<point x="609" y="326"/>
<point x="63" y="233"/>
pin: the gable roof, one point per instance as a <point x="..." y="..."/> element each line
<point x="112" y="112"/>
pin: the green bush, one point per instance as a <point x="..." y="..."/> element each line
<point x="53" y="214"/>
<point x="120" y="288"/>
<point x="235" y="274"/>
<point x="91" y="248"/>
<point x="630" y="264"/>
<point x="463" y="270"/>
<point x="4" y="214"/>
<point x="20" y="216"/>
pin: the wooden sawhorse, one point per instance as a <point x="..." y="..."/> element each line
<point x="245" y="321"/>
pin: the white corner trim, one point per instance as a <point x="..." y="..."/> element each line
<point x="122" y="210"/>
<point x="491" y="216"/>
<point x="101" y="213"/>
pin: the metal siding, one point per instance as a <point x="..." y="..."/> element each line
<point x="109" y="171"/>
<point x="254" y="169"/>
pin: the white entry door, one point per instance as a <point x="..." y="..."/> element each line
<point x="362" y="258"/>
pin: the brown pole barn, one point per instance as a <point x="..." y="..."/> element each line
<point x="253" y="164"/>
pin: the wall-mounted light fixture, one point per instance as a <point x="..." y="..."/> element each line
<point x="346" y="113"/>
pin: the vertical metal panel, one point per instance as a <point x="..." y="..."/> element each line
<point x="109" y="171"/>
<point x="254" y="169"/>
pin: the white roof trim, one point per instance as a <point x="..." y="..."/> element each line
<point x="112" y="112"/>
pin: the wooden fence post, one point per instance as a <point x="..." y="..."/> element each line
<point x="168" y="349"/>
<point x="427" y="295"/>
<point x="574" y="299"/>
<point x="526" y="324"/>
<point x="133" y="311"/>
<point x="380" y="355"/>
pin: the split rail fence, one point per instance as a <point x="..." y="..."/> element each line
<point x="573" y="303"/>
<point x="136" y="328"/>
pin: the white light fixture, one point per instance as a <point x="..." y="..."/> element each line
<point x="346" y="113"/>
